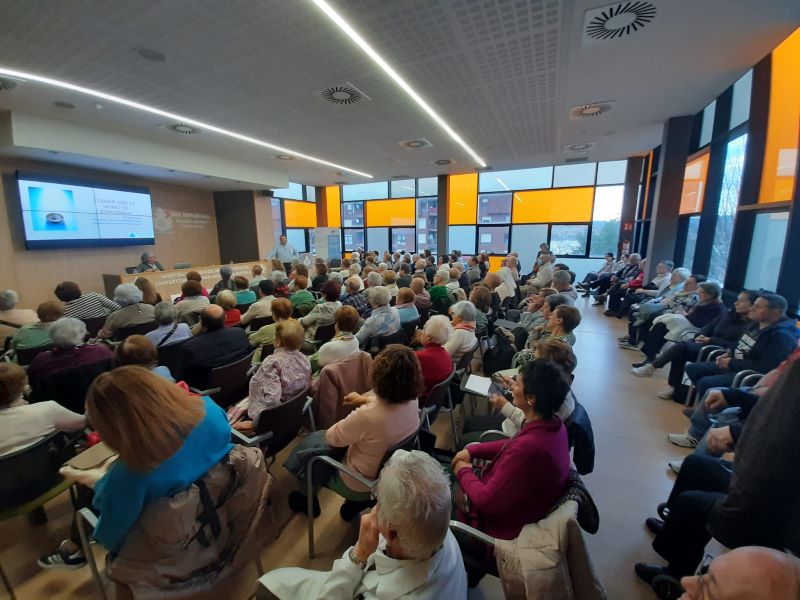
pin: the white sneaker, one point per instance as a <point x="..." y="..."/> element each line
<point x="666" y="393"/>
<point x="675" y="466"/>
<point x="684" y="440"/>
<point x="644" y="371"/>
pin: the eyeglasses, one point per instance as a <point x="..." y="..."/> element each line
<point x="702" y="571"/>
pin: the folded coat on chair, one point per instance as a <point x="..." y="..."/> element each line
<point x="335" y="381"/>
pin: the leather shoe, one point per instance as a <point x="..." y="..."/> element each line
<point x="654" y="525"/>
<point x="688" y="412"/>
<point x="647" y="572"/>
<point x="298" y="502"/>
<point x="639" y="364"/>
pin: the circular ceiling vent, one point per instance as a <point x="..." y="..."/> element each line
<point x="6" y="84"/>
<point x="284" y="157"/>
<point x="579" y="148"/>
<point x="181" y="128"/>
<point x="444" y="161"/>
<point x="62" y="104"/>
<point x="342" y="93"/>
<point x="618" y="20"/>
<point x="416" y="144"/>
<point x="151" y="55"/>
<point x="589" y="111"/>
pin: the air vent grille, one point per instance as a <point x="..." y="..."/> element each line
<point x="418" y="144"/>
<point x="616" y="21"/>
<point x="590" y="111"/>
<point x="342" y="94"/>
<point x="181" y="128"/>
<point x="579" y="148"/>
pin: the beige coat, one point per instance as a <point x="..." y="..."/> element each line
<point x="163" y="556"/>
<point x="549" y="561"/>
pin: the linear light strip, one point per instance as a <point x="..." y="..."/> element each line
<point x="379" y="60"/>
<point x="172" y="116"/>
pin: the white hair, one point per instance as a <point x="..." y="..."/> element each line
<point x="355" y="256"/>
<point x="8" y="299"/>
<point x="464" y="309"/>
<point x="126" y="294"/>
<point x="374" y="279"/>
<point x="443" y="274"/>
<point x="439" y="329"/>
<point x="561" y="277"/>
<point x="414" y="501"/>
<point x="355" y="268"/>
<point x="682" y="273"/>
<point x="353" y="283"/>
<point x="379" y="296"/>
<point x="165" y="313"/>
<point x="635" y="256"/>
<point x="67" y="332"/>
<point x="277" y="276"/>
<point x="459" y="265"/>
<point x="420" y="264"/>
<point x="335" y="276"/>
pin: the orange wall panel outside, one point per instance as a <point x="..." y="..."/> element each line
<point x="568" y="205"/>
<point x="780" y="157"/>
<point x="462" y="199"/>
<point x="300" y="214"/>
<point x="694" y="185"/>
<point x="391" y="213"/>
<point x="333" y="205"/>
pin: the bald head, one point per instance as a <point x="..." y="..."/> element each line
<point x="748" y="573"/>
<point x="213" y="318"/>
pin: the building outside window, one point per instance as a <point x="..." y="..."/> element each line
<point x="726" y="209"/>
<point x="569" y="239"/>
<point x="427" y="222"/>
<point x="494" y="208"/>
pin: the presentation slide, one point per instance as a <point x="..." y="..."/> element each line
<point x="60" y="214"/>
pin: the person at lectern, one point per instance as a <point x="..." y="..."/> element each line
<point x="149" y="263"/>
<point x="285" y="253"/>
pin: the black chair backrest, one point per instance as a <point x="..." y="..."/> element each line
<point x="169" y="355"/>
<point x="407" y="444"/>
<point x="393" y="301"/>
<point x="28" y="473"/>
<point x="26" y="355"/>
<point x="94" y="325"/>
<point x="398" y="337"/>
<point x="283" y="421"/>
<point x="267" y="350"/>
<point x="438" y="392"/>
<point x="232" y="381"/>
<point x="325" y="333"/>
<point x="303" y="309"/>
<point x="260" y="322"/>
<point x="138" y="329"/>
<point x="243" y="307"/>
<point x="69" y="387"/>
<point x="409" y="329"/>
<point x="466" y="359"/>
<point x="424" y="313"/>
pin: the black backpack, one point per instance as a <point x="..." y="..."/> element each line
<point x="498" y="356"/>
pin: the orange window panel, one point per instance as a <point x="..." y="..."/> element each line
<point x="694" y="185"/>
<point x="347" y="255"/>
<point x="565" y="205"/>
<point x="300" y="214"/>
<point x="494" y="263"/>
<point x="332" y="196"/>
<point x="390" y="213"/>
<point x="780" y="157"/>
<point x="462" y="199"/>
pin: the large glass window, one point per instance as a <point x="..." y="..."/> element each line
<point x="297" y="238"/>
<point x="726" y="210"/>
<point x="694" y="185"/>
<point x="277" y="218"/>
<point x="611" y="172"/>
<point x="462" y="237"/>
<point x="377" y="239"/>
<point x="493" y="240"/>
<point x="494" y="208"/>
<point x="365" y="191"/>
<point x="691" y="241"/>
<point x="427" y="221"/>
<point x="519" y="179"/>
<point x="605" y="219"/>
<point x="569" y="239"/>
<point x="311" y="195"/>
<point x="353" y="238"/>
<point x="293" y="192"/>
<point x="574" y="175"/>
<point x="525" y="240"/>
<point x="766" y="251"/>
<point x="428" y="186"/>
<point x="403" y="188"/>
<point x="707" y="126"/>
<point x="403" y="239"/>
<point x="740" y="105"/>
<point x="352" y="214"/>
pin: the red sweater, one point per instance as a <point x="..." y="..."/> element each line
<point x="527" y="476"/>
<point x="436" y="366"/>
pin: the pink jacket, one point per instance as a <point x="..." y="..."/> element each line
<point x="335" y="381"/>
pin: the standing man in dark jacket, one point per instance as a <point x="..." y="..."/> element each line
<point x="761" y="348"/>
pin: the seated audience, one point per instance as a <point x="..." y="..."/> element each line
<point x="244" y="295"/>
<point x="473" y="271"/>
<point x="138" y="350"/>
<point x="405" y="306"/>
<point x="422" y="299"/>
<point x="256" y="275"/>
<point x="148" y="262"/>
<point x="149" y="294"/>
<point x="430" y="268"/>
<point x="344" y="342"/>
<point x="320" y="276"/>
<point x="482" y="300"/>
<point x="11" y="317"/>
<point x="193" y="276"/>
<point x="81" y="306"/>
<point x="69" y="351"/>
<point x="192" y="303"/>
<point x="372" y="279"/>
<point x="169" y="331"/>
<point x="562" y="320"/>
<point x="507" y="287"/>
<point x="302" y="299"/>
<point x="463" y="338"/>
<point x="534" y="314"/>
<point x="263" y="306"/>
<point x="281" y="376"/>
<point x="405" y="537"/>
<point x="277" y="273"/>
<point x="544" y="274"/>
<point x="435" y="361"/>
<point x="627" y="273"/>
<point x="354" y="298"/>
<point x="281" y="311"/>
<point x="323" y="313"/>
<point x="562" y="285"/>
<point x="606" y="268"/>
<point x="23" y="424"/>
<point x="133" y="311"/>
<point x="38" y="334"/>
<point x="387" y="416"/>
<point x="213" y="346"/>
<point x="298" y="270"/>
<point x="227" y="300"/>
<point x="492" y="282"/>
<point x="441" y="298"/>
<point x="383" y="320"/>
<point x="724" y="331"/>
<point x="404" y="276"/>
<point x="501" y="501"/>
<point x="453" y="276"/>
<point x="225" y="282"/>
<point x="390" y="282"/>
<point x="603" y="280"/>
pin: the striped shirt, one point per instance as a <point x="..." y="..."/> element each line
<point x="90" y="305"/>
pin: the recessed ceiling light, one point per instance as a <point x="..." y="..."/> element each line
<point x="395" y="76"/>
<point x="284" y="157"/>
<point x="60" y="104"/>
<point x="172" y="116"/>
<point x="151" y="55"/>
